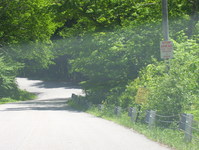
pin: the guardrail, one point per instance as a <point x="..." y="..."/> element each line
<point x="183" y="122"/>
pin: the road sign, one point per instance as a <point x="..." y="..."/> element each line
<point x="166" y="49"/>
<point x="142" y="95"/>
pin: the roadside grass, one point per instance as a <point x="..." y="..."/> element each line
<point x="7" y="100"/>
<point x="22" y="96"/>
<point x="174" y="139"/>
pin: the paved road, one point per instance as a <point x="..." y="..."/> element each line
<point x="49" y="124"/>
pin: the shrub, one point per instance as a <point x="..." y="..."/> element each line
<point x="8" y="87"/>
<point x="171" y="91"/>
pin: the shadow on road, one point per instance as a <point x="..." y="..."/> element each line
<point x="65" y="85"/>
<point x="41" y="105"/>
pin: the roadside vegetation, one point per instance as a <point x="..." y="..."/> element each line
<point x="173" y="138"/>
<point x="111" y="47"/>
<point x="21" y="96"/>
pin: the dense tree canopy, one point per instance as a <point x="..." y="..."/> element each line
<point x="104" y="44"/>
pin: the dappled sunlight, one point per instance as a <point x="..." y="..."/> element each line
<point x="49" y="90"/>
<point x="40" y="105"/>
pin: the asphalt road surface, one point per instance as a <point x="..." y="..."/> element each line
<point x="49" y="124"/>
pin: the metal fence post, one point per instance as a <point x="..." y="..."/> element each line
<point x="100" y="107"/>
<point x="152" y="116"/>
<point x="182" y="121"/>
<point x="130" y="111"/>
<point x="117" y="110"/>
<point x="133" y="114"/>
<point x="188" y="127"/>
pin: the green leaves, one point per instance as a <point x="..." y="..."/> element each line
<point x="175" y="91"/>
<point x="26" y="27"/>
<point x="109" y="60"/>
<point x="107" y="41"/>
<point x="7" y="78"/>
<point x="25" y="20"/>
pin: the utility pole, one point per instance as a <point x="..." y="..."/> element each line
<point x="166" y="46"/>
<point x="165" y="22"/>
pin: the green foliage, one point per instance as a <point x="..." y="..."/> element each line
<point x="178" y="91"/>
<point x="7" y="100"/>
<point x="104" y="44"/>
<point x="25" y="20"/>
<point x="19" y="96"/>
<point x="113" y="40"/>
<point x="172" y="138"/>
<point x="24" y="95"/>
<point x="174" y="91"/>
<point x="110" y="60"/>
<point x="9" y="91"/>
<point x="26" y="27"/>
<point x="25" y="31"/>
<point x="8" y="86"/>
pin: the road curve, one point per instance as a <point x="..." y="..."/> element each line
<point x="47" y="123"/>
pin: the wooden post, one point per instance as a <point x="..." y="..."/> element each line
<point x="188" y="128"/>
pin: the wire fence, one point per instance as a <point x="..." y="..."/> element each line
<point x="182" y="122"/>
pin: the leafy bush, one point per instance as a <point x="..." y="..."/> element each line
<point x="8" y="87"/>
<point x="110" y="59"/>
<point x="171" y="91"/>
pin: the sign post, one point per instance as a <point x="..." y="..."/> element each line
<point x="166" y="46"/>
<point x="165" y="21"/>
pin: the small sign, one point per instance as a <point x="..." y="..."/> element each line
<point x="142" y="95"/>
<point x="166" y="49"/>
